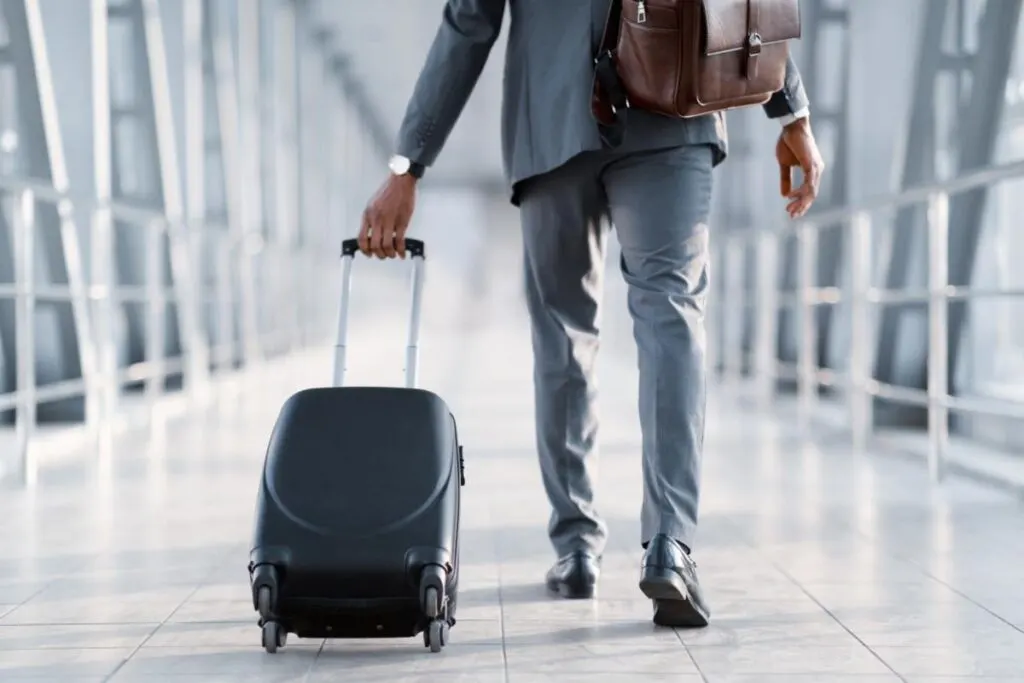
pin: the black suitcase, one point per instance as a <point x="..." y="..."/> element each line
<point x="357" y="518"/>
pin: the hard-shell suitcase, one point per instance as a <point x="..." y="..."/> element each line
<point x="357" y="518"/>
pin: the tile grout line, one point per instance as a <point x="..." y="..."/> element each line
<point x="42" y="589"/>
<point x="501" y="612"/>
<point x="679" y="637"/>
<point x="953" y="589"/>
<point x="159" y="626"/>
<point x="826" y="610"/>
<point x="312" y="664"/>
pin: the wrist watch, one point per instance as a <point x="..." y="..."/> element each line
<point x="401" y="165"/>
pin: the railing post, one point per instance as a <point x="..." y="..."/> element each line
<point x="861" y="360"/>
<point x="106" y="302"/>
<point x="248" y="186"/>
<point x="24" y="325"/>
<point x="713" y="324"/>
<point x="192" y="316"/>
<point x="227" y="352"/>
<point x="186" y="266"/>
<point x="807" y="351"/>
<point x="101" y="242"/>
<point x="733" y="311"/>
<point x="156" y="310"/>
<point x="84" y="326"/>
<point x="767" y="313"/>
<point x="938" y="351"/>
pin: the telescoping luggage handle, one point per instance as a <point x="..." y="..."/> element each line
<point x="349" y="249"/>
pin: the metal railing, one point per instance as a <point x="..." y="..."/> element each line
<point x="864" y="299"/>
<point x="97" y="301"/>
<point x="239" y="292"/>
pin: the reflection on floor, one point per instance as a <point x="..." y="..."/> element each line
<point x="821" y="565"/>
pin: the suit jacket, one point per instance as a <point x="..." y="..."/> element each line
<point x="546" y="115"/>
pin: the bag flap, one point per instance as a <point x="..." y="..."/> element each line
<point x="726" y="22"/>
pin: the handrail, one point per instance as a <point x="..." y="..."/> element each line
<point x="766" y="299"/>
<point x="194" y="273"/>
<point x="43" y="189"/>
<point x="972" y="180"/>
<point x="88" y="298"/>
<point x="119" y="209"/>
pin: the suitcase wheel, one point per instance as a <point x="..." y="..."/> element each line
<point x="435" y="607"/>
<point x="432" y="589"/>
<point x="274" y="636"/>
<point x="436" y="636"/>
<point x="263" y="605"/>
<point x="432" y="602"/>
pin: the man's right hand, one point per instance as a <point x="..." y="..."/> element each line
<point x="387" y="217"/>
<point x="798" y="149"/>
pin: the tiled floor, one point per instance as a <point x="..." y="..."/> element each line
<point x="822" y="566"/>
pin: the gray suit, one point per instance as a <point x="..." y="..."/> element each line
<point x="655" y="188"/>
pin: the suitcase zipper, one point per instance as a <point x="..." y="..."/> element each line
<point x="641" y="12"/>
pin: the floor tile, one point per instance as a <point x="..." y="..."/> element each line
<point x="264" y="677"/>
<point x="964" y="679"/>
<point x="73" y="637"/>
<point x="370" y="660"/>
<point x="940" y="624"/>
<point x="566" y="677"/>
<point x="57" y="666"/>
<point x="223" y="660"/>
<point x="811" y="630"/>
<point x="954" y="661"/>
<point x="805" y="678"/>
<point x="791" y="658"/>
<point x="612" y="655"/>
<point x="90" y="611"/>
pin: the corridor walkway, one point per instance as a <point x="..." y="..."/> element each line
<point x="822" y="566"/>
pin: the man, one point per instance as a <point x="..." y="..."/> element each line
<point x="656" y="190"/>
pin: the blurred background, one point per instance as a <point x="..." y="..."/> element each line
<point x="176" y="176"/>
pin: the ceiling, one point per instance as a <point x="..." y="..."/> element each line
<point x="386" y="45"/>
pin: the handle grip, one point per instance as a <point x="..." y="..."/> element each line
<point x="416" y="248"/>
<point x="349" y="248"/>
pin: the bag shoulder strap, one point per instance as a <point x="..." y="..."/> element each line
<point x="610" y="100"/>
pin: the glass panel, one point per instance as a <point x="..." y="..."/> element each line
<point x="993" y="362"/>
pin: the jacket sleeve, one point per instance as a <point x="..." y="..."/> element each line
<point x="793" y="96"/>
<point x="460" y="49"/>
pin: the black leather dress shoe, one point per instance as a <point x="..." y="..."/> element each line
<point x="574" y="576"/>
<point x="669" y="577"/>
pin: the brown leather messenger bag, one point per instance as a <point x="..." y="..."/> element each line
<point x="685" y="58"/>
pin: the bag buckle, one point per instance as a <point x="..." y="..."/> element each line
<point x="754" y="45"/>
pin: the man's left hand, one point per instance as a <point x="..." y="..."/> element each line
<point x="798" y="149"/>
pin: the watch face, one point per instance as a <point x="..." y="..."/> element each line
<point x="399" y="165"/>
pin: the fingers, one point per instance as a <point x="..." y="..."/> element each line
<point x="786" y="179"/>
<point x="364" y="233"/>
<point x="400" y="240"/>
<point x="387" y="240"/>
<point x="386" y="219"/>
<point x="381" y="237"/>
<point x="378" y="236"/>
<point x="803" y="198"/>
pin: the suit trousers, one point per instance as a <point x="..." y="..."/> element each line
<point x="658" y="202"/>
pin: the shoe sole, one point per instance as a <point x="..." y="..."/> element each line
<point x="672" y="604"/>
<point x="564" y="590"/>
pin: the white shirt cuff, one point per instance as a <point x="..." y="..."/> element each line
<point x="794" y="117"/>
